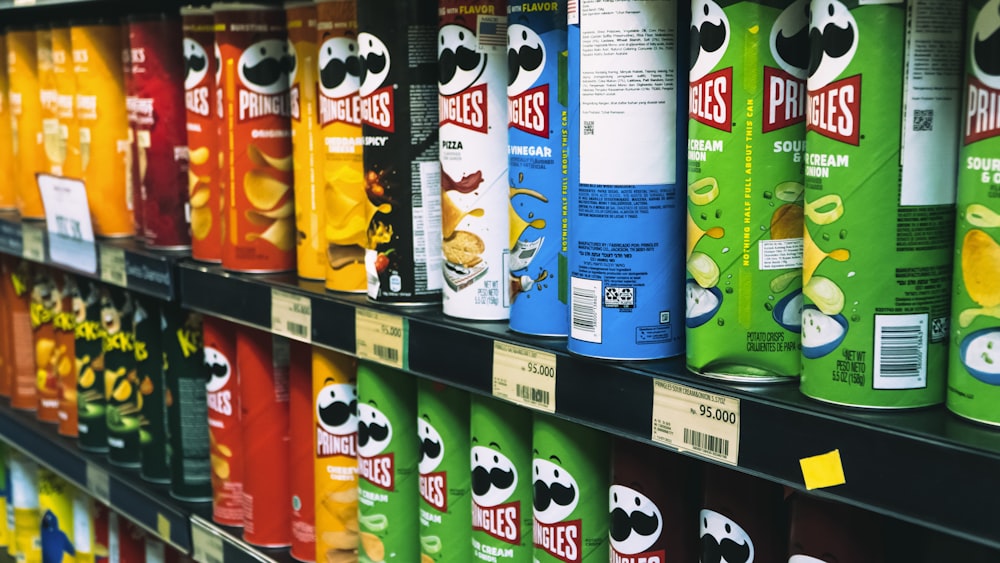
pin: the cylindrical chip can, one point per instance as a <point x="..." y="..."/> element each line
<point x="55" y="506"/>
<point x="8" y="189"/>
<point x="123" y="412"/>
<point x="744" y="200"/>
<point x="4" y="498"/>
<point x="84" y="543"/>
<point x="54" y="152"/>
<point x="262" y="361"/>
<point x="301" y="433"/>
<point x="626" y="284"/>
<point x="65" y="81"/>
<point x="445" y="479"/>
<point x="388" y="453"/>
<point x="472" y="103"/>
<point x="43" y="303"/>
<point x="742" y="515"/>
<point x="400" y="134"/>
<point x="26" y="521"/>
<point x="102" y="118"/>
<point x="335" y="401"/>
<point x="224" y="429"/>
<point x="88" y="346"/>
<point x="64" y="321"/>
<point x="26" y="120"/>
<point x="23" y="379"/>
<point x="833" y="531"/>
<point x="259" y="210"/>
<point x="147" y="342"/>
<point x="339" y="163"/>
<point x="875" y="314"/>
<point x="204" y="191"/>
<point x="309" y="206"/>
<point x="570" y="523"/>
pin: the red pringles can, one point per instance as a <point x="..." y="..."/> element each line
<point x="263" y="362"/>
<point x="302" y="436"/>
<point x="258" y="204"/>
<point x="156" y="105"/>
<point x="225" y="432"/>
<point x="204" y="191"/>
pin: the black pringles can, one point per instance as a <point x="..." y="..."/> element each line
<point x="89" y="346"/>
<point x="743" y="518"/>
<point x="833" y="531"/>
<point x="121" y="385"/>
<point x="147" y="341"/>
<point x="399" y="94"/>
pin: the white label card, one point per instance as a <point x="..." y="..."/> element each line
<point x="67" y="217"/>
<point x="291" y="315"/>
<point x="525" y="376"/>
<point x="32" y="243"/>
<point x="381" y="337"/>
<point x="207" y="543"/>
<point x="113" y="266"/>
<point x="98" y="483"/>
<point x="696" y="421"/>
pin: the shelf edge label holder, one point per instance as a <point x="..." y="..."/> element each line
<point x="98" y="483"/>
<point x="32" y="243"/>
<point x="525" y="376"/>
<point x="382" y="338"/>
<point x="291" y="315"/>
<point x="695" y="421"/>
<point x="112" y="266"/>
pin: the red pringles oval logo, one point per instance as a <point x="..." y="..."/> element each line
<point x="336" y="420"/>
<point x="374" y="435"/>
<point x="265" y="70"/>
<point x="433" y="484"/>
<point x="833" y="106"/>
<point x="339" y="81"/>
<point x="785" y="87"/>
<point x="460" y="66"/>
<point x="636" y="524"/>
<point x="527" y="101"/>
<point x="377" y="98"/>
<point x="494" y="480"/>
<point x="197" y="81"/>
<point x="711" y="93"/>
<point x="982" y="113"/>
<point x="556" y="495"/>
<point x="220" y="393"/>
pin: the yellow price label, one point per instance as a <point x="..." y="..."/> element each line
<point x="291" y="315"/>
<point x="523" y="375"/>
<point x="703" y="423"/>
<point x="113" y="266"/>
<point x="163" y="526"/>
<point x="381" y="337"/>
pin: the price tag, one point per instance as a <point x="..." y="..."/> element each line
<point x="24" y="2"/>
<point x="525" y="376"/>
<point x="381" y="337"/>
<point x="67" y="218"/>
<point x="697" y="421"/>
<point x="32" y="243"/>
<point x="98" y="483"/>
<point x="163" y="526"/>
<point x="206" y="543"/>
<point x="291" y="315"/>
<point x="113" y="266"/>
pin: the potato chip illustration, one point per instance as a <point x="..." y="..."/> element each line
<point x="981" y="267"/>
<point x="263" y="191"/>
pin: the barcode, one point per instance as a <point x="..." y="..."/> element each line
<point x="588" y="127"/>
<point x="585" y="310"/>
<point x="900" y="351"/>
<point x="532" y="394"/>
<point x="117" y="277"/>
<point x="296" y="328"/>
<point x="706" y="442"/>
<point x="68" y="227"/>
<point x="387" y="353"/>
<point x="923" y="120"/>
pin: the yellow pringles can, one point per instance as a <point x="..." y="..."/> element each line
<point x="26" y="120"/>
<point x="65" y="87"/>
<point x="103" y="126"/>
<point x="8" y="195"/>
<point x="55" y="505"/>
<point x="54" y="154"/>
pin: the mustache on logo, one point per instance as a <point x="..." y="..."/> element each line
<point x="450" y="61"/>
<point x="555" y="493"/>
<point x="336" y="70"/>
<point x="337" y="412"/>
<point x="483" y="480"/>
<point x="528" y="58"/>
<point x="622" y="524"/>
<point x="727" y="550"/>
<point x="833" y="41"/>
<point x="374" y="431"/>
<point x="269" y="70"/>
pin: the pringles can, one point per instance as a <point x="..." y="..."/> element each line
<point x="259" y="209"/>
<point x="147" y="341"/>
<point x="43" y="301"/>
<point x="388" y="453"/>
<point x="26" y="120"/>
<point x="123" y="411"/>
<point x="26" y="521"/>
<point x="875" y="314"/>
<point x="744" y="201"/>
<point x="23" y="377"/>
<point x="102" y="117"/>
<point x="64" y="321"/>
<point x="5" y="535"/>
<point x="224" y="429"/>
<point x="335" y="401"/>
<point x="400" y="135"/>
<point x="83" y="528"/>
<point x="55" y="505"/>
<point x="742" y="516"/>
<point x="52" y="145"/>
<point x="339" y="163"/>
<point x="833" y="531"/>
<point x="626" y="285"/>
<point x="8" y="189"/>
<point x="301" y="435"/>
<point x="445" y="479"/>
<point x="475" y="227"/>
<point x="204" y="191"/>
<point x="88" y="346"/>
<point x="65" y="82"/>
<point x="973" y="369"/>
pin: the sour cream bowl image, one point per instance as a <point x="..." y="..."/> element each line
<point x="821" y="333"/>
<point x="702" y="303"/>
<point x="980" y="354"/>
<point x="788" y="312"/>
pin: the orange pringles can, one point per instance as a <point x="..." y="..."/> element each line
<point x="64" y="321"/>
<point x="48" y="95"/>
<point x="204" y="191"/>
<point x="101" y="116"/>
<point x="65" y="83"/>
<point x="26" y="120"/>
<point x="6" y="347"/>
<point x="263" y="362"/>
<point x="8" y="193"/>
<point x="259" y="209"/>
<point x="310" y="246"/>
<point x="17" y="278"/>
<point x="339" y="164"/>
<point x="334" y="378"/>
<point x="225" y="431"/>
<point x="301" y="435"/>
<point x="41" y="307"/>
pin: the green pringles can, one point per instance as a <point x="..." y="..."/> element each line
<point x="187" y="403"/>
<point x="882" y="112"/>
<point x="148" y="345"/>
<point x="121" y="385"/>
<point x="974" y="359"/>
<point x="445" y="479"/>
<point x="746" y="141"/>
<point x="501" y="481"/>
<point x="388" y="453"/>
<point x="570" y="522"/>
<point x="89" y="350"/>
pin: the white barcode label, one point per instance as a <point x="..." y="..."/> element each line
<point x="32" y="243"/>
<point x="67" y="218"/>
<point x="585" y="310"/>
<point x="900" y="352"/>
<point x="98" y="483"/>
<point x="291" y="315"/>
<point x="206" y="542"/>
<point x="696" y="421"/>
<point x="380" y="337"/>
<point x="113" y="266"/>
<point x="387" y="353"/>
<point x="523" y="375"/>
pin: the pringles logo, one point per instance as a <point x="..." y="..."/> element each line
<point x="636" y="524"/>
<point x="377" y="99"/>
<point x="494" y="480"/>
<point x="220" y="394"/>
<point x="196" y="87"/>
<point x="336" y="420"/>
<point x="785" y="87"/>
<point x="982" y="114"/>
<point x="833" y="106"/>
<point x="339" y="81"/>
<point x="556" y="496"/>
<point x="374" y="436"/>
<point x="460" y="66"/>
<point x="265" y="70"/>
<point x="433" y="484"/>
<point x="722" y="539"/>
<point x="527" y="103"/>
<point x="711" y="93"/>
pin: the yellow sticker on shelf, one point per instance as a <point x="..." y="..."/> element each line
<point x="525" y="376"/>
<point x="825" y="470"/>
<point x="696" y="421"/>
<point x="291" y="315"/>
<point x="112" y="266"/>
<point x="163" y="527"/>
<point x="381" y="337"/>
<point x="32" y="243"/>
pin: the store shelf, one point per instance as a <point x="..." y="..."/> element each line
<point x="926" y="466"/>
<point x="122" y="262"/>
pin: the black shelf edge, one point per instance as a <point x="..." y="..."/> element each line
<point x="146" y="504"/>
<point x="213" y="543"/>
<point x="150" y="272"/>
<point x="925" y="466"/>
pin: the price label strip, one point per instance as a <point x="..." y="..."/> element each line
<point x="525" y="376"/>
<point x="67" y="218"/>
<point x="696" y="421"/>
<point x="381" y="337"/>
<point x="291" y="315"/>
<point x="32" y="243"/>
<point x="206" y="543"/>
<point x="98" y="483"/>
<point x="113" y="266"/>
